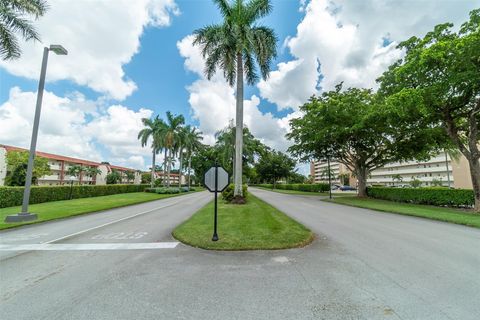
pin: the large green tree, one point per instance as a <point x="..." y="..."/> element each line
<point x="441" y="71"/>
<point x="193" y="144"/>
<point x="360" y="130"/>
<point x="17" y="162"/>
<point x="14" y="20"/>
<point x="154" y="130"/>
<point x="237" y="46"/>
<point x="173" y="138"/>
<point x="273" y="166"/>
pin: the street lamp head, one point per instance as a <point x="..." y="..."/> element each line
<point x="58" y="49"/>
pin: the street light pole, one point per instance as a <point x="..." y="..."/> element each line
<point x="25" y="215"/>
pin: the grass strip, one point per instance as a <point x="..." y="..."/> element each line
<point x="255" y="225"/>
<point x="458" y="216"/>
<point x="67" y="208"/>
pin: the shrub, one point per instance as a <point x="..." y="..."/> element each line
<point x="315" y="187"/>
<point x="227" y="194"/>
<point x="435" y="196"/>
<point x="12" y="196"/>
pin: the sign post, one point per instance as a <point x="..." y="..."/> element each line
<point x="216" y="180"/>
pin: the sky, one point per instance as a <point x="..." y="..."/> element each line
<point x="128" y="60"/>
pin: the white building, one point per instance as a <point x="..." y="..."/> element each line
<point x="431" y="172"/>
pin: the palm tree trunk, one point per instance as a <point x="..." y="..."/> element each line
<point x="189" y="168"/>
<point x="180" y="169"/>
<point x="153" y="169"/>
<point x="169" y="166"/>
<point x="164" y="168"/>
<point x="239" y="128"/>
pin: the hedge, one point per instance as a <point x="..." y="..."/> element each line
<point x="12" y="196"/>
<point x="316" y="187"/>
<point x="228" y="193"/>
<point x="430" y="196"/>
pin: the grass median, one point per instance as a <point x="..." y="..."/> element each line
<point x="255" y="225"/>
<point x="62" y="209"/>
<point x="295" y="192"/>
<point x="458" y="216"/>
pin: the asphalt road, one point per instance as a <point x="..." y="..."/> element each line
<point x="124" y="264"/>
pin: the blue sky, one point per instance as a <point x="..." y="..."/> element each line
<point x="132" y="59"/>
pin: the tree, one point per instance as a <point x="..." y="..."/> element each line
<point x="173" y="138"/>
<point x="344" y="178"/>
<point x="397" y="177"/>
<point x="193" y="143"/>
<point x="361" y="131"/>
<point x="273" y="166"/>
<point x="155" y="129"/>
<point x="295" y="177"/>
<point x="75" y="171"/>
<point x="415" y="183"/>
<point x="326" y="174"/>
<point x="146" y="178"/>
<point x="92" y="172"/>
<point x="17" y="162"/>
<point x="234" y="46"/>
<point x="13" y="20"/>
<point x="442" y="72"/>
<point x="203" y="160"/>
<point x="130" y="175"/>
<point x="113" y="177"/>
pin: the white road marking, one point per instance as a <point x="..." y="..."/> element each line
<point x="107" y="224"/>
<point x="119" y="236"/>
<point x="87" y="246"/>
<point x="22" y="237"/>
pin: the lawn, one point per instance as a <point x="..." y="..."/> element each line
<point x="252" y="226"/>
<point x="457" y="216"/>
<point x="61" y="209"/>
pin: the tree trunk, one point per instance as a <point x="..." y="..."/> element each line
<point x="189" y="168"/>
<point x="474" y="165"/>
<point x="180" y="169"/>
<point x="153" y="169"/>
<point x="239" y="128"/>
<point x="169" y="165"/>
<point x="362" y="181"/>
<point x="164" y="168"/>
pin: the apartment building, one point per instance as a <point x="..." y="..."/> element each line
<point x="59" y="166"/>
<point x="438" y="170"/>
<point x="319" y="171"/>
<point x="174" y="178"/>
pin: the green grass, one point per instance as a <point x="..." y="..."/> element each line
<point x="457" y="216"/>
<point x="62" y="209"/>
<point x="252" y="226"/>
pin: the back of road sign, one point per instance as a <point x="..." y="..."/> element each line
<point x="222" y="181"/>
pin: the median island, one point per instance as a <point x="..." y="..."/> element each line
<point x="255" y="225"/>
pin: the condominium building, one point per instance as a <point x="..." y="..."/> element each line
<point x="174" y="177"/>
<point x="438" y="170"/>
<point x="319" y="171"/>
<point x="59" y="166"/>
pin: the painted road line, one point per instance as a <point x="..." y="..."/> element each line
<point x="87" y="246"/>
<point x="107" y="224"/>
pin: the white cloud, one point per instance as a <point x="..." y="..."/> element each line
<point x="67" y="128"/>
<point x="347" y="38"/>
<point x="213" y="104"/>
<point x="100" y="36"/>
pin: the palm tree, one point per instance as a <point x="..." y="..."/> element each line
<point x="75" y="171"/>
<point x="234" y="46"/>
<point x="130" y="175"/>
<point x="92" y="172"/>
<point x="13" y="20"/>
<point x="192" y="144"/>
<point x="154" y="129"/>
<point x="172" y="138"/>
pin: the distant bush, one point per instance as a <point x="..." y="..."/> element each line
<point x="228" y="193"/>
<point x="12" y="196"/>
<point x="315" y="187"/>
<point x="163" y="190"/>
<point x="436" y="196"/>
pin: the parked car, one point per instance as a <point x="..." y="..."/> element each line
<point x="347" y="188"/>
<point x="336" y="187"/>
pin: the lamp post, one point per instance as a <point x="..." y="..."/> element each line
<point x="25" y="215"/>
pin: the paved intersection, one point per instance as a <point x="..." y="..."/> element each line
<point x="363" y="265"/>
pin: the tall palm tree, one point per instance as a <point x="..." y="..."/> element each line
<point x="234" y="46"/>
<point x="76" y="171"/>
<point x="92" y="172"/>
<point x="192" y="144"/>
<point x="154" y="128"/>
<point x="13" y="20"/>
<point x="181" y="142"/>
<point x="172" y="138"/>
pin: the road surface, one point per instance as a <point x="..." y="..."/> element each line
<point x="124" y="264"/>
